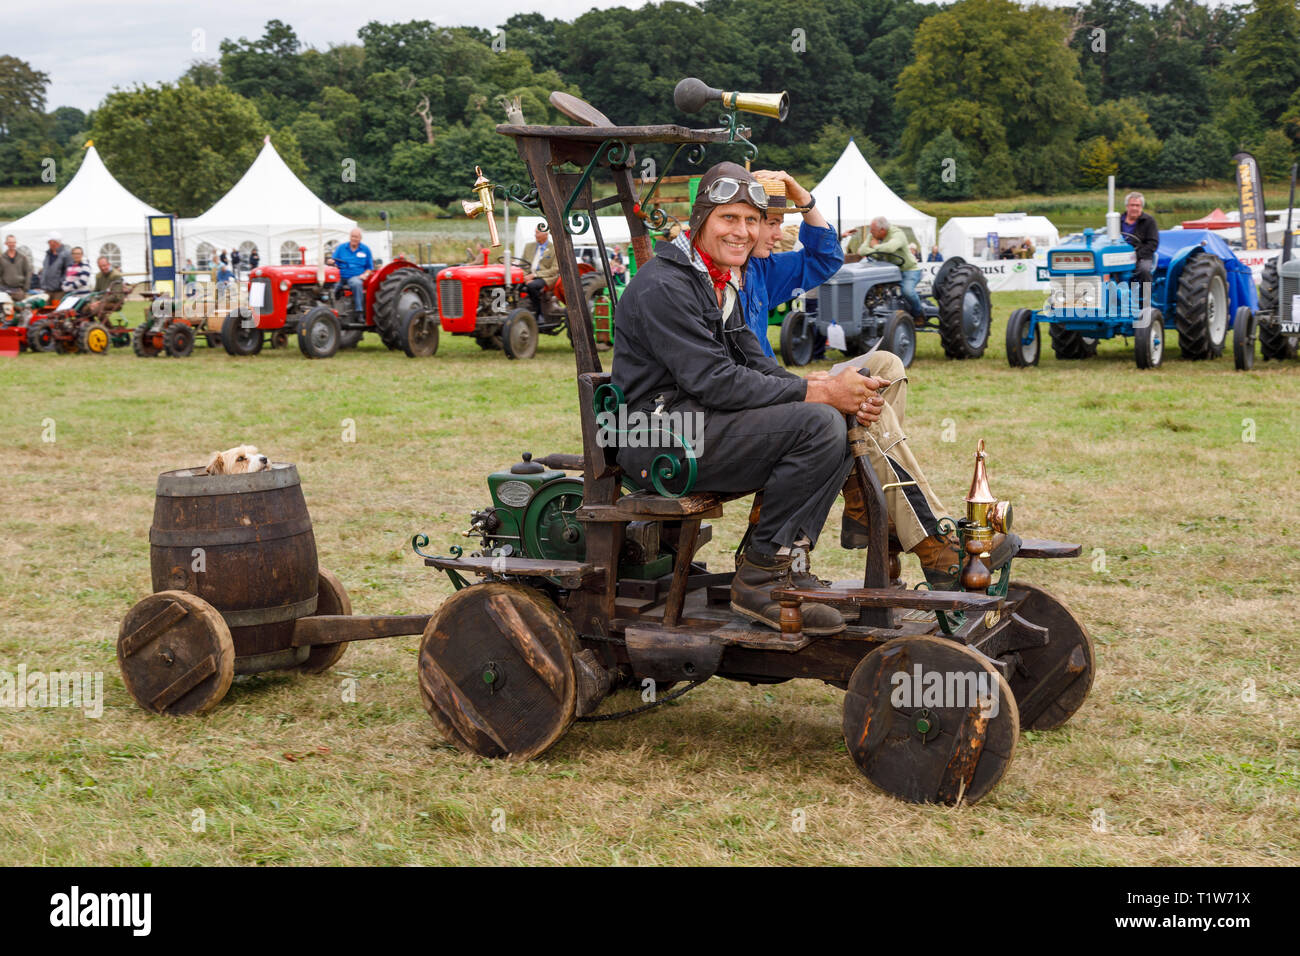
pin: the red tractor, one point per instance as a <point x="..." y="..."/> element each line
<point x="305" y="300"/>
<point x="478" y="299"/>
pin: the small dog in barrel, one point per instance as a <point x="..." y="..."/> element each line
<point x="240" y="460"/>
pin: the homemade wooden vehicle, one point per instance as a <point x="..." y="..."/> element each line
<point x="237" y="591"/>
<point x="589" y="585"/>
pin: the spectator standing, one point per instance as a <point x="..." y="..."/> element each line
<point x="76" y="277"/>
<point x="254" y="259"/>
<point x="234" y="261"/>
<point x="15" y="269"/>
<point x="223" y="258"/>
<point x="935" y="255"/>
<point x="55" y="266"/>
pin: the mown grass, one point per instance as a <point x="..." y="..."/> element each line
<point x="1196" y="605"/>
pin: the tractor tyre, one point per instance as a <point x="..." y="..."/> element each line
<point x="40" y="336"/>
<point x="1202" y="316"/>
<point x="178" y="340"/>
<point x="238" y="340"/>
<point x="1149" y="339"/>
<point x="350" y="338"/>
<point x="900" y="337"/>
<point x="1022" y="354"/>
<point x="1245" y="329"/>
<point x="417" y="332"/>
<point x="142" y="341"/>
<point x="1272" y="343"/>
<point x="94" y="338"/>
<point x="1069" y="345"/>
<point x="396" y="294"/>
<point x="318" y="333"/>
<point x="964" y="312"/>
<point x="798" y="339"/>
<point x="519" y="335"/>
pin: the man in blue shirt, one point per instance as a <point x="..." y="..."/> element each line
<point x="355" y="263"/>
<point x="772" y="279"/>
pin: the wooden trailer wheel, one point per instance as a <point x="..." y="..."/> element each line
<point x="925" y="746"/>
<point x="331" y="599"/>
<point x="1052" y="682"/>
<point x="496" y="670"/>
<point x="176" y="654"/>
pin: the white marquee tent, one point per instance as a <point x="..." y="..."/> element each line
<point x="272" y="210"/>
<point x="863" y="195"/>
<point x="967" y="236"/>
<point x="93" y="211"/>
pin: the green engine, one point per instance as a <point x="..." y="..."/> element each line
<point x="534" y="515"/>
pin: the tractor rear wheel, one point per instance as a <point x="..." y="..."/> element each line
<point x="350" y="338"/>
<point x="1069" y="345"/>
<point x="93" y="338"/>
<point x="417" y="332"/>
<point x="1202" y="316"/>
<point x="900" y="337"/>
<point x="519" y="335"/>
<point x="318" y="333"/>
<point x="236" y="338"/>
<point x="142" y="341"/>
<point x="1022" y="352"/>
<point x="40" y="336"/>
<point x="1244" y="331"/>
<point x="1149" y="339"/>
<point x="395" y="296"/>
<point x="178" y="340"/>
<point x="964" y="312"/>
<point x="798" y="333"/>
<point x="1272" y="343"/>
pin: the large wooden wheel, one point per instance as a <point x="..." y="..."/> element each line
<point x="176" y="654"/>
<point x="331" y="599"/>
<point x="496" y="670"/>
<point x="922" y="746"/>
<point x="1052" y="682"/>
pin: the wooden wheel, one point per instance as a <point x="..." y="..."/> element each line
<point x="176" y="654"/>
<point x="926" y="744"/>
<point x="496" y="670"/>
<point x="331" y="599"/>
<point x="1052" y="682"/>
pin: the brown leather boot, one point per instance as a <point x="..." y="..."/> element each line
<point x="855" y="532"/>
<point x="751" y="594"/>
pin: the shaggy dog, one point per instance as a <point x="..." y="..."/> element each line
<point x="240" y="460"/>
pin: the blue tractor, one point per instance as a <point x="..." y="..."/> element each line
<point x="1197" y="285"/>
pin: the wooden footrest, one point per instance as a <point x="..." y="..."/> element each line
<point x="894" y="597"/>
<point x="1043" y="548"/>
<point x="569" y="573"/>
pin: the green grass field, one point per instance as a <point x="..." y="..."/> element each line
<point x="1180" y="484"/>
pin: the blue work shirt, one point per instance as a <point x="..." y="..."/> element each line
<point x="352" y="262"/>
<point x="773" y="280"/>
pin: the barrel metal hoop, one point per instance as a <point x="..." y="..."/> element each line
<point x="194" y="483"/>
<point x="191" y="538"/>
<point x="253" y="616"/>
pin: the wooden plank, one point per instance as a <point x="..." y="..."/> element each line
<point x="521" y="636"/>
<point x="960" y="771"/>
<point x="571" y="573"/>
<point x="455" y="706"/>
<point x="342" y="628"/>
<point x="150" y="629"/>
<point x="896" y="597"/>
<point x="628" y="134"/>
<point x="644" y="506"/>
<point x="185" y="683"/>
<point x="681" y="572"/>
<point x="1045" y="548"/>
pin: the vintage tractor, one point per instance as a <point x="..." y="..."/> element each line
<point x="587" y="587"/>
<point x="304" y="300"/>
<point x="1197" y="284"/>
<point x="487" y="300"/>
<point x="865" y="299"/>
<point x="79" y="322"/>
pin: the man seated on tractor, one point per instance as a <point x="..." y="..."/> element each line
<point x="892" y="240"/>
<point x="1141" y="226"/>
<point x="542" y="267"/>
<point x="682" y="345"/>
<point x="774" y="277"/>
<point x="104" y="286"/>
<point x="355" y="263"/>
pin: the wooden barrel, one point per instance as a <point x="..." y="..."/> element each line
<point x="244" y="544"/>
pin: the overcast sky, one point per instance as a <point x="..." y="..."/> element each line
<point x="89" y="46"/>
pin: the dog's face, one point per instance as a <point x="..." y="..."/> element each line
<point x="240" y="460"/>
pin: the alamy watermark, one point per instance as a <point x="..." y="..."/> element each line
<point x="83" y="690"/>
<point x="961" y="689"/>
<point x="682" y="430"/>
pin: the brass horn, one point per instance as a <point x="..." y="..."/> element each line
<point x="484" y="204"/>
<point x="692" y="94"/>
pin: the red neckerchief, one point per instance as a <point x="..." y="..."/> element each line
<point x="720" y="275"/>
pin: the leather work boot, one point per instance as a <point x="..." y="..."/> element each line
<point x="855" y="532"/>
<point x="751" y="594"/>
<point x="804" y="578"/>
<point x="940" y="558"/>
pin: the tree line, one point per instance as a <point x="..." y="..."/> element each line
<point x="973" y="99"/>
